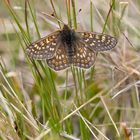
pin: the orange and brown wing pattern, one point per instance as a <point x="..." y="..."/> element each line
<point x="97" y="41"/>
<point x="44" y="48"/>
<point x="84" y="57"/>
<point x="60" y="60"/>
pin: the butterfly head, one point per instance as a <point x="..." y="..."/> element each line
<point x="66" y="28"/>
<point x="67" y="35"/>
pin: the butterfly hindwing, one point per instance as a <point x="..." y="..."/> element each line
<point x="84" y="57"/>
<point x="44" y="48"/>
<point x="60" y="60"/>
<point x="97" y="41"/>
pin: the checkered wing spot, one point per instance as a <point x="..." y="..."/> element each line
<point x="97" y="41"/>
<point x="44" y="48"/>
<point x="84" y="57"/>
<point x="60" y="60"/>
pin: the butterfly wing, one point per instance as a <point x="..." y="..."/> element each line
<point x="60" y="60"/>
<point x="97" y="41"/>
<point x="84" y="57"/>
<point x="44" y="48"/>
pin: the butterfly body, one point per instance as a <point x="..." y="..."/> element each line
<point x="68" y="38"/>
<point x="67" y="47"/>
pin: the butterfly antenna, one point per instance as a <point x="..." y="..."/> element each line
<point x="53" y="17"/>
<point x="77" y="14"/>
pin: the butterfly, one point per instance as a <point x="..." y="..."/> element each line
<point x="66" y="47"/>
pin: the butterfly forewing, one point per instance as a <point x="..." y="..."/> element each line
<point x="60" y="61"/>
<point x="97" y="42"/>
<point x="84" y="57"/>
<point x="44" y="48"/>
